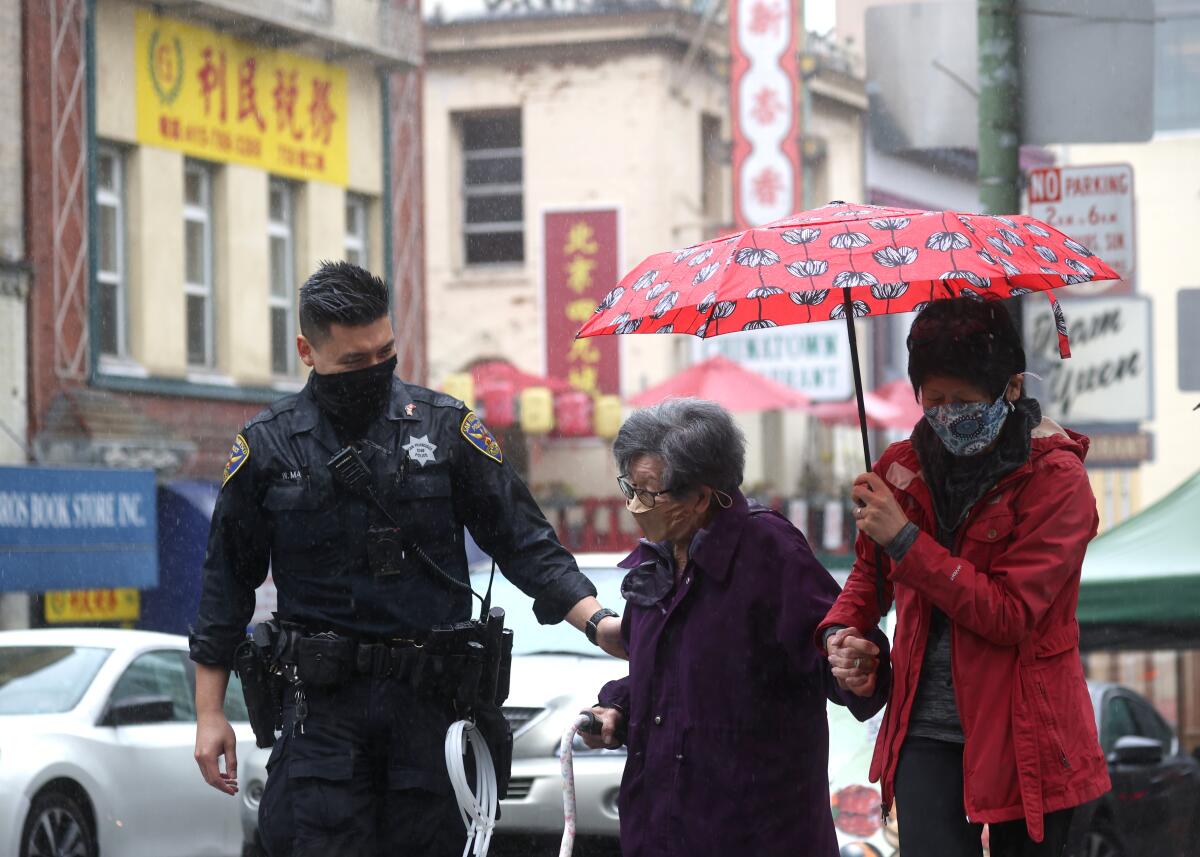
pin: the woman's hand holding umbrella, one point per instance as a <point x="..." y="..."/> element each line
<point x="875" y="509"/>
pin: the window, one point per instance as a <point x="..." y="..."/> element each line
<point x="493" y="201"/>
<point x="110" y="258"/>
<point x="161" y="673"/>
<point x="280" y="232"/>
<point x="198" y="263"/>
<point x="1116" y="723"/>
<point x="1176" y="73"/>
<point x="710" y="169"/>
<point x="356" y="231"/>
<point x="1151" y="724"/>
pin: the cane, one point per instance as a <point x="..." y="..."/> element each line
<point x="589" y="724"/>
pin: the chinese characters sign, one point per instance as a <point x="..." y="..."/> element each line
<point x="92" y="605"/>
<point x="766" y="152"/>
<point x="581" y="266"/>
<point x="222" y="99"/>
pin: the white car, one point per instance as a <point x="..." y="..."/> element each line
<point x="97" y="735"/>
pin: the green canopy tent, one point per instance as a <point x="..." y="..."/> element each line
<point x="1141" y="579"/>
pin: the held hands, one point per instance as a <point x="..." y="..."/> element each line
<point x="855" y="661"/>
<point x="610" y="725"/>
<point x="215" y="738"/>
<point x="875" y="509"/>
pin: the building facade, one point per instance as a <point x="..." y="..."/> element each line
<point x="186" y="165"/>
<point x="595" y="109"/>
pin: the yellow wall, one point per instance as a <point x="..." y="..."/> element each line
<point x="154" y="221"/>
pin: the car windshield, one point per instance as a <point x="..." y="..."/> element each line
<point x="46" y="679"/>
<point x="530" y="636"/>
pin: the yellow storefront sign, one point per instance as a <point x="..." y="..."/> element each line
<point x="92" y="605"/>
<point x="222" y="99"/>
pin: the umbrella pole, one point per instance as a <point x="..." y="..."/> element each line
<point x="858" y="387"/>
<point x="848" y="304"/>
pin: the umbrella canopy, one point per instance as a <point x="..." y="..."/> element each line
<point x="811" y="266"/>
<point x="891" y="406"/>
<point x="720" y="380"/>
<point x="1141" y="579"/>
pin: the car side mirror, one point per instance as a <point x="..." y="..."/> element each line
<point x="1136" y="750"/>
<point x="137" y="710"/>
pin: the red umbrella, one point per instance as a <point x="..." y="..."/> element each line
<point x="720" y="380"/>
<point x="840" y="262"/>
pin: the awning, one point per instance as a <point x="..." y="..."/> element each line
<point x="729" y="384"/>
<point x="1141" y="579"/>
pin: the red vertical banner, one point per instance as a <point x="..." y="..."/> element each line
<point x="580" y="267"/>
<point x="764" y="99"/>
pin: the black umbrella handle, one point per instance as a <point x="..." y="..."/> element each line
<point x="848" y="305"/>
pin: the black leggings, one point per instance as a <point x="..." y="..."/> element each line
<point x="931" y="818"/>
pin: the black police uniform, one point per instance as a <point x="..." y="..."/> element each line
<point x="360" y="767"/>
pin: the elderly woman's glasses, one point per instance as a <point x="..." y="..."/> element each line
<point x="648" y="498"/>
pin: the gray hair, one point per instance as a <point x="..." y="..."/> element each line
<point x="697" y="440"/>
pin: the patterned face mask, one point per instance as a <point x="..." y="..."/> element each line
<point x="968" y="428"/>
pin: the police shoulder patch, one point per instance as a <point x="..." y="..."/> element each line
<point x="479" y="437"/>
<point x="238" y="456"/>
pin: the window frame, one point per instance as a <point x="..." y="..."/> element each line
<point x="478" y="190"/>
<point x="201" y="213"/>
<point x="284" y="230"/>
<point x="113" y="197"/>
<point x="188" y="698"/>
<point x="358" y="242"/>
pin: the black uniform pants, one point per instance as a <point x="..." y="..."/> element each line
<point x="364" y="775"/>
<point x="933" y="822"/>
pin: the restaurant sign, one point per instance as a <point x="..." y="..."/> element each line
<point x="215" y="97"/>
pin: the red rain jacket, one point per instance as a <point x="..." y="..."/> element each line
<point x="1010" y="590"/>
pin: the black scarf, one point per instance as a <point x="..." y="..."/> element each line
<point x="957" y="482"/>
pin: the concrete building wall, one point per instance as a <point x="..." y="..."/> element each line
<point x="618" y="125"/>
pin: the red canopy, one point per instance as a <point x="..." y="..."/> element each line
<point x="720" y="380"/>
<point x="890" y="406"/>
<point x="498" y="373"/>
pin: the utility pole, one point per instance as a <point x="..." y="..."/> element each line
<point x="999" y="153"/>
<point x="999" y="108"/>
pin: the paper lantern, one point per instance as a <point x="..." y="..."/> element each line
<point x="537" y="410"/>
<point x="606" y="416"/>
<point x="498" y="402"/>
<point x="573" y="414"/>
<point x="461" y="386"/>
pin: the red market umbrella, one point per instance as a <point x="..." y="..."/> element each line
<point x="720" y="380"/>
<point x="844" y="261"/>
<point x="886" y="408"/>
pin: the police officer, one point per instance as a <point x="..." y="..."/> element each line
<point x="359" y="768"/>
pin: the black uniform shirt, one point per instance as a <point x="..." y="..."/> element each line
<point x="433" y="466"/>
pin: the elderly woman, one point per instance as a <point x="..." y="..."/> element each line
<point x="723" y="711"/>
<point x="984" y="515"/>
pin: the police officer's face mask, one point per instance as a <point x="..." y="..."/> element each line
<point x="354" y="399"/>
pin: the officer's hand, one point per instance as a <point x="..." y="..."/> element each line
<point x="215" y="738"/>
<point x="608" y="636"/>
<point x="610" y="723"/>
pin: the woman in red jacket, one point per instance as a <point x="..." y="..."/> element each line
<point x="984" y="515"/>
